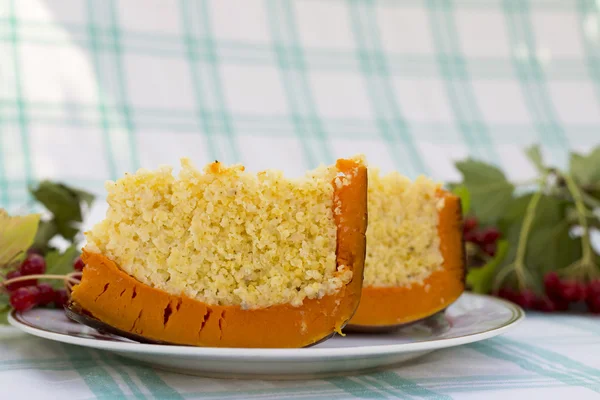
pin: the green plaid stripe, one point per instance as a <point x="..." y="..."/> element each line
<point x="278" y="125"/>
<point x="293" y="70"/>
<point x="588" y="13"/>
<point x="19" y="99"/>
<point x="4" y="199"/>
<point x="453" y="68"/>
<point x="101" y="79"/>
<point x="392" y="125"/>
<point x="211" y="87"/>
<point x="543" y="362"/>
<point x="122" y="87"/>
<point x="250" y="53"/>
<point x="532" y="79"/>
<point x="532" y="367"/>
<point x="297" y="63"/>
<point x="186" y="18"/>
<point x="103" y="36"/>
<point x="102" y="385"/>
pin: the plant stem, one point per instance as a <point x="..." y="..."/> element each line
<point x="589" y="200"/>
<point x="591" y="186"/>
<point x="66" y="278"/>
<point x="523" y="236"/>
<point x="586" y="246"/>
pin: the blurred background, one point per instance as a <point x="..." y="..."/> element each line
<point x="92" y="89"/>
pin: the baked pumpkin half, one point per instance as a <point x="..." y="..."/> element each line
<point x="228" y="258"/>
<point x="415" y="263"/>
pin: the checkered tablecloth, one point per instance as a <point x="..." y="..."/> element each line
<point x="91" y="89"/>
<point x="545" y="357"/>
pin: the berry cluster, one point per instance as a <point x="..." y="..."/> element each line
<point x="558" y="295"/>
<point x="24" y="290"/>
<point x="571" y="291"/>
<point x="485" y="238"/>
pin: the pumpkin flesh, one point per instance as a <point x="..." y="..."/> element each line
<point x="392" y="306"/>
<point x="112" y="296"/>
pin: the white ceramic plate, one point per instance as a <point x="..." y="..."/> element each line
<point x="470" y="319"/>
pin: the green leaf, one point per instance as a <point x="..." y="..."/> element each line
<point x="16" y="235"/>
<point x="83" y="196"/>
<point x="490" y="191"/>
<point x="465" y="197"/>
<point x="550" y="211"/>
<point x="481" y="280"/>
<point x="553" y="248"/>
<point x="64" y="203"/>
<point x="46" y="231"/>
<point x="534" y="154"/>
<point x="549" y="246"/>
<point x="4" y="308"/>
<point x="585" y="169"/>
<point x="59" y="200"/>
<point x="58" y="263"/>
<point x="479" y="173"/>
<point x="4" y="311"/>
<point x="67" y="229"/>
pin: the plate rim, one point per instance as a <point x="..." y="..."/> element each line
<point x="281" y="354"/>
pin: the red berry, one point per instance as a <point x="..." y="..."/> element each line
<point x="508" y="294"/>
<point x="572" y="291"/>
<point x="561" y="305"/>
<point x="24" y="298"/>
<point x="15" y="285"/>
<point x="46" y="294"/>
<point x="593" y="296"/>
<point x="61" y="298"/>
<point x="33" y="250"/>
<point x="490" y="249"/>
<point x="565" y="290"/>
<point x="470" y="224"/>
<point x="552" y="284"/>
<point x="34" y="264"/>
<point x="78" y="264"/>
<point x="546" y="304"/>
<point x="593" y="304"/>
<point x="479" y="237"/>
<point x="470" y="236"/>
<point x="526" y="299"/>
<point x="489" y="235"/>
<point x="593" y="288"/>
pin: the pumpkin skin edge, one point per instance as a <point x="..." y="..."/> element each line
<point x="113" y="297"/>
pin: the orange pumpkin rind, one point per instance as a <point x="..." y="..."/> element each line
<point x="389" y="307"/>
<point x="113" y="297"/>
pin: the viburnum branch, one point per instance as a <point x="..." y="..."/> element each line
<point x="589" y="200"/>
<point x="581" y="216"/>
<point x="586" y="266"/>
<point x="74" y="279"/>
<point x="518" y="265"/>
<point x="591" y="186"/>
<point x="68" y="279"/>
<point x="523" y="236"/>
